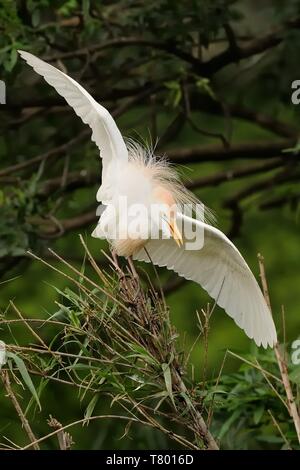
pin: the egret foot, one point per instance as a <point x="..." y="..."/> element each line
<point x="135" y="276"/>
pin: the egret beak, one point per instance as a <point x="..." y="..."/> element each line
<point x="175" y="232"/>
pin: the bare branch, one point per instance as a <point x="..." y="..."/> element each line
<point x="74" y="180"/>
<point x="50" y="229"/>
<point x="292" y="407"/>
<point x="65" y="440"/>
<point x="292" y="199"/>
<point x="279" y="178"/>
<point x="256" y="46"/>
<point x="265" y="121"/>
<point x="245" y="151"/>
<point x="230" y="55"/>
<point x="55" y="152"/>
<point x="203" y="102"/>
<point x="230" y="175"/>
<point x="23" y="419"/>
<point x="169" y="47"/>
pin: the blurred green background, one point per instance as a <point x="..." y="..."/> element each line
<point x="154" y="94"/>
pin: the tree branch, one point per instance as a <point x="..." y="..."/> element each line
<point x="245" y="151"/>
<point x="169" y="47"/>
<point x="256" y="46"/>
<point x="56" y="152"/>
<point x="291" y="402"/>
<point x="52" y="229"/>
<point x="203" y="102"/>
<point x="23" y="419"/>
<point x="280" y="178"/>
<point x="230" y="175"/>
<point x="74" y="180"/>
<point x="263" y="120"/>
<point x="292" y="199"/>
<point x="207" y="69"/>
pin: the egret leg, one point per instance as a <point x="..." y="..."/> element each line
<point x="116" y="263"/>
<point x="132" y="268"/>
<point x="115" y="258"/>
<point x="135" y="277"/>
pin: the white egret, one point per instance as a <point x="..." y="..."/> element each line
<point x="132" y="172"/>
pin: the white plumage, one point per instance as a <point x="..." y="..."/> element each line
<point x="105" y="132"/>
<point x="132" y="172"/>
<point x="222" y="271"/>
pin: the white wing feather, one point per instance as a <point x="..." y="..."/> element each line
<point x="105" y="132"/>
<point x="222" y="271"/>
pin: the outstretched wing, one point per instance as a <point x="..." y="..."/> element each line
<point x="105" y="132"/>
<point x="222" y="271"/>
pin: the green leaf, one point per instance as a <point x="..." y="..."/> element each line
<point x="80" y="366"/>
<point x="258" y="413"/>
<point x="141" y="353"/>
<point x="36" y="18"/>
<point x="225" y="428"/>
<point x="172" y="85"/>
<point x="294" y="149"/>
<point x="86" y="9"/>
<point x="162" y="395"/>
<point x="12" y="60"/>
<point x="204" y="85"/>
<point x="91" y="406"/>
<point x="295" y="375"/>
<point x="175" y="92"/>
<point x="168" y="382"/>
<point x="68" y="7"/>
<point x="25" y="376"/>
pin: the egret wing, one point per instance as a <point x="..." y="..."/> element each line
<point x="105" y="132"/>
<point x="222" y="271"/>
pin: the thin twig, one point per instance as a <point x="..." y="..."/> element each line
<point x="24" y="421"/>
<point x="279" y="430"/>
<point x="65" y="440"/>
<point x="24" y="322"/>
<point x="279" y="356"/>
<point x="93" y="418"/>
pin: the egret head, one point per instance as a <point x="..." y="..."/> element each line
<point x="166" y="212"/>
<point x="156" y="184"/>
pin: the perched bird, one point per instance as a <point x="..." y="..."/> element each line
<point x="133" y="174"/>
